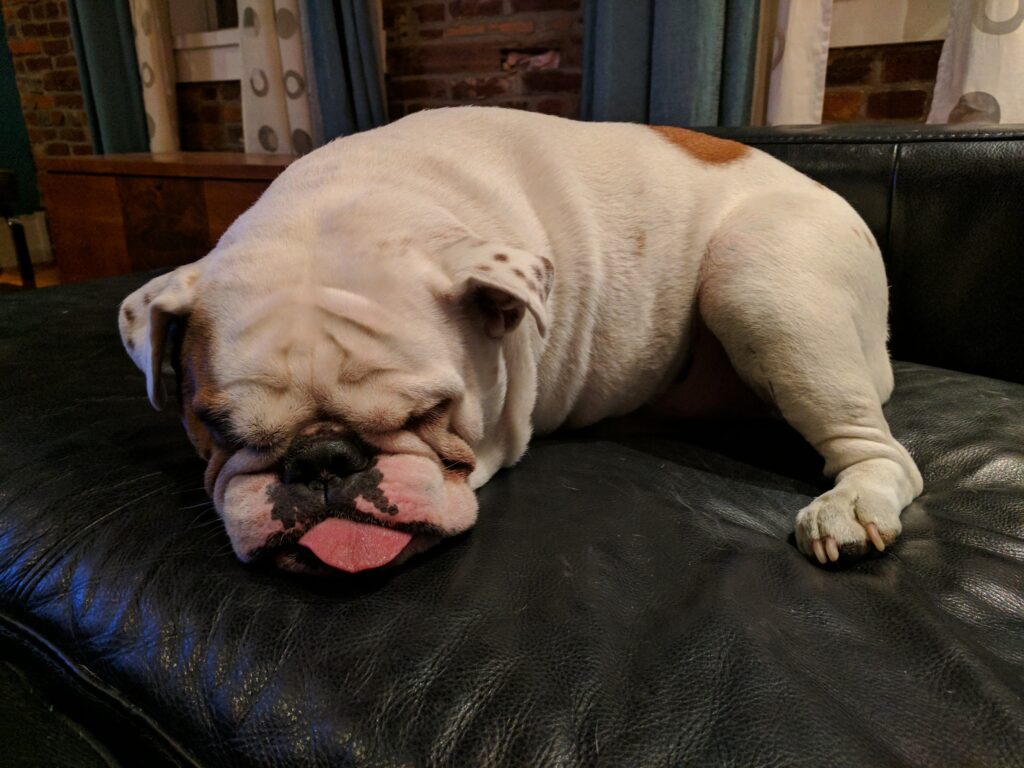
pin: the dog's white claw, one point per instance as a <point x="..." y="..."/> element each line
<point x="832" y="548"/>
<point x="875" y="536"/>
<point x="819" y="551"/>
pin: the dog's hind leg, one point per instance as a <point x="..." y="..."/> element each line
<point x="794" y="288"/>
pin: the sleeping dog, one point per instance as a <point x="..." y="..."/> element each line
<point x="403" y="309"/>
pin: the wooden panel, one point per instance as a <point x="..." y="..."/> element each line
<point x="164" y="219"/>
<point x="86" y="227"/>
<point x="227" y="200"/>
<point x="114" y="214"/>
<point x="208" y="165"/>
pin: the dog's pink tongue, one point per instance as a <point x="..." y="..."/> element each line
<point x="351" y="546"/>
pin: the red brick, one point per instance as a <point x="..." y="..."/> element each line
<point x="62" y="80"/>
<point x="39" y="10"/>
<point x="431" y="34"/>
<point x="231" y="113"/>
<point x="57" y="148"/>
<point x="851" y="66"/>
<point x="465" y="30"/>
<point x="902" y="63"/>
<point x="37" y="30"/>
<point x="842" y="106"/>
<point x="571" y="49"/>
<point x="60" y="29"/>
<point x="65" y="61"/>
<point x="512" y="28"/>
<point x="38" y="64"/>
<point x="53" y="47"/>
<point x="40" y="135"/>
<point x="209" y="113"/>
<point x="476" y="88"/>
<point x="559" y="107"/>
<point x="72" y="134"/>
<point x="69" y="100"/>
<point x="81" y="149"/>
<point x="431" y="12"/>
<point x="459" y="8"/>
<point x="443" y="58"/>
<point x="561" y="23"/>
<point x="231" y="90"/>
<point x="392" y="15"/>
<point x="55" y="11"/>
<point x="527" y="6"/>
<point x="43" y="102"/>
<point x="897" y="105"/>
<point x="50" y="117"/>
<point x="419" y="88"/>
<point x="552" y="80"/>
<point x="24" y="47"/>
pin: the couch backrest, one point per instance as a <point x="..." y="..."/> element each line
<point x="946" y="204"/>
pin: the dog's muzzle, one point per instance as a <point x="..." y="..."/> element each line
<point x="334" y="472"/>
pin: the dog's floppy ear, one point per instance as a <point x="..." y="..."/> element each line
<point x="144" y="319"/>
<point x="502" y="281"/>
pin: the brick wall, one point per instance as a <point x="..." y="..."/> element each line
<point x="39" y="37"/>
<point x="210" y="116"/>
<point x="513" y="53"/>
<point x="881" y="83"/>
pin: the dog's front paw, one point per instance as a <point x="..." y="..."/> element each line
<point x="848" y="522"/>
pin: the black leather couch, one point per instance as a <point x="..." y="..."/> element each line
<point x="627" y="599"/>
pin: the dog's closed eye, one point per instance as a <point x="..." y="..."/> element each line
<point x="218" y="425"/>
<point x="427" y="416"/>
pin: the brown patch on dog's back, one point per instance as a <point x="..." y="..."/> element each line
<point x="707" y="149"/>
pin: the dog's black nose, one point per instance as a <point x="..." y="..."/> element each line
<point x="317" y="461"/>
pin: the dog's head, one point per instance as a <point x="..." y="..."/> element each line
<point x="338" y="410"/>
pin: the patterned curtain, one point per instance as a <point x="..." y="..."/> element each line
<point x="981" y="70"/>
<point x="796" y="91"/>
<point x="675" y="62"/>
<point x="275" y="99"/>
<point x="155" y="52"/>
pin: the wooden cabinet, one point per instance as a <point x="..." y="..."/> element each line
<point x="113" y="214"/>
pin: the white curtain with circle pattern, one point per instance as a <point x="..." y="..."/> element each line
<point x="981" y="70"/>
<point x="275" y="98"/>
<point x="154" y="50"/>
<point x="796" y="91"/>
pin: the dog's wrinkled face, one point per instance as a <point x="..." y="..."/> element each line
<point x="338" y="424"/>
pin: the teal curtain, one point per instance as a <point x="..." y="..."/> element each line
<point x="341" y="52"/>
<point x="669" y="62"/>
<point x="105" y="50"/>
<point x="15" y="150"/>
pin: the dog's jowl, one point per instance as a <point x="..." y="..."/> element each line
<point x="403" y="309"/>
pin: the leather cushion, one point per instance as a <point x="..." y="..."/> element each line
<point x="626" y="599"/>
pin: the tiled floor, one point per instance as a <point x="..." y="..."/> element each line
<point x="46" y="275"/>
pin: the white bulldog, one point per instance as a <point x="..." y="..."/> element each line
<point x="403" y="309"/>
